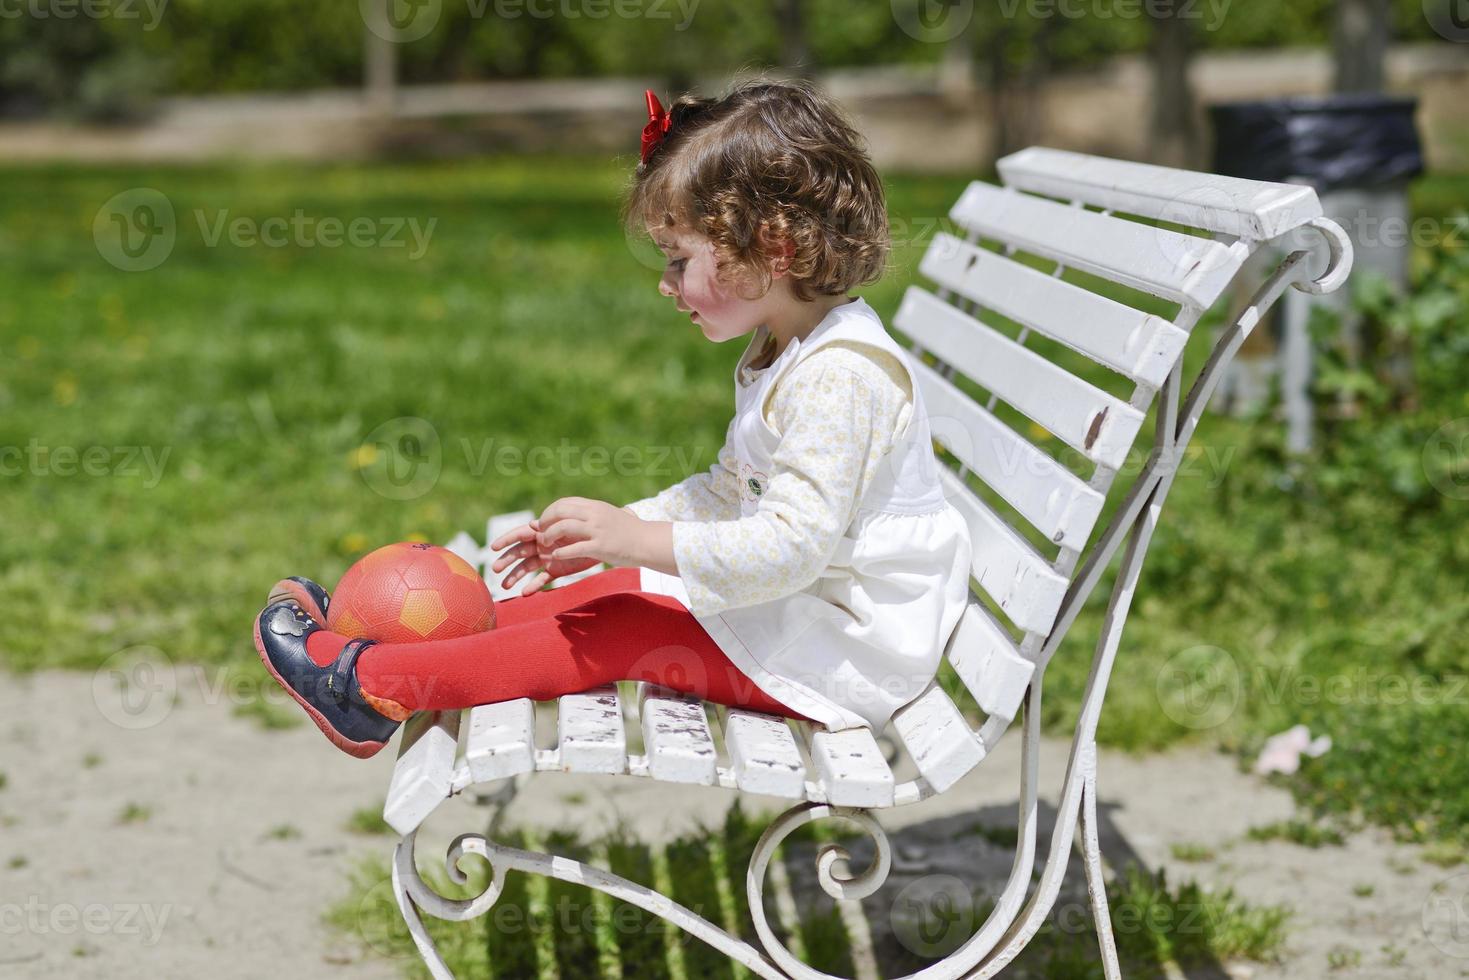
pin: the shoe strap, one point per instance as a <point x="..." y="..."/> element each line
<point x="339" y="681"/>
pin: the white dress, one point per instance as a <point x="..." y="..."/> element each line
<point x="825" y="563"/>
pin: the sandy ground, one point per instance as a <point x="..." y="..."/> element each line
<point x="135" y="841"/>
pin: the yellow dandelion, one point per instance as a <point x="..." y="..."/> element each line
<point x="64" y="391"/>
<point x="364" y="455"/>
<point x="352" y="543"/>
<point x="1038" y="434"/>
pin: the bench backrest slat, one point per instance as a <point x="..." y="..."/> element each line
<point x="1177" y="267"/>
<point x="1250" y="209"/>
<point x="1019" y="579"/>
<point x="1083" y="416"/>
<point x="1054" y="500"/>
<point x="1140" y="345"/>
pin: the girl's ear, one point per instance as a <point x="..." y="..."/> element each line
<point x="782" y="251"/>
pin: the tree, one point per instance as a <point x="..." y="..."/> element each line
<point x="795" y="50"/>
<point x="1173" y="135"/>
<point x="1359" y="44"/>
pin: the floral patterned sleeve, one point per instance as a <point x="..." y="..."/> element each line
<point x="710" y="496"/>
<point x="837" y="413"/>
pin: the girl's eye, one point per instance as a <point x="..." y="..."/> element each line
<point x="677" y="264"/>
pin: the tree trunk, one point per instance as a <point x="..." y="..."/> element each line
<point x="1359" y="45"/>
<point x="1173" y="137"/>
<point x="795" y="50"/>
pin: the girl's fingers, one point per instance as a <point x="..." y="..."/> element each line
<point x="534" y="586"/>
<point x="525" y="549"/>
<point x="523" y="568"/>
<point x="560" y="510"/>
<point x="567" y="529"/>
<point x="526" y="532"/>
<point x="572" y="551"/>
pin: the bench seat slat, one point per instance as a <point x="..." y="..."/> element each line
<point x="1178" y="267"/>
<point x="851" y="768"/>
<point x="1140" y="345"/>
<point x="676" y="737"/>
<point x="424" y="770"/>
<point x="1252" y="209"/>
<point x="501" y="740"/>
<point x="986" y="660"/>
<point x="1023" y="583"/>
<point x="1086" y="418"/>
<point x="763" y="754"/>
<point x="590" y="732"/>
<point x="1051" y="497"/>
<point x="938" y="738"/>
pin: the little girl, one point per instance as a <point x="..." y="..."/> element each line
<point x="816" y="571"/>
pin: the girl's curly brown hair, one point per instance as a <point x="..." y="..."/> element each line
<point x="777" y="156"/>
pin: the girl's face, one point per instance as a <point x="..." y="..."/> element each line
<point x="692" y="282"/>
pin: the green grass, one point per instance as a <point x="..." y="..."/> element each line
<point x="1303" y="832"/>
<point x="368" y="820"/>
<point x="1192" y="853"/>
<point x="233" y="396"/>
<point x="540" y="927"/>
<point x="134" y="813"/>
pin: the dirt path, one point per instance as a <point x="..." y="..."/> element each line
<point x="136" y="840"/>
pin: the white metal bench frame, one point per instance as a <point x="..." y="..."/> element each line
<point x="1060" y="206"/>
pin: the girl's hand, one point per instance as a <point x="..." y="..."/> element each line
<point x="534" y="561"/>
<point x="579" y="529"/>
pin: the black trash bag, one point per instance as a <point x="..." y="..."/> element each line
<point x="1339" y="141"/>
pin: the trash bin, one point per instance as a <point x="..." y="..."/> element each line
<point x="1359" y="152"/>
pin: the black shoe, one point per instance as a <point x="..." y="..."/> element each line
<point x="311" y="597"/>
<point x="329" y="694"/>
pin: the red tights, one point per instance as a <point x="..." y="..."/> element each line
<point x="560" y="641"/>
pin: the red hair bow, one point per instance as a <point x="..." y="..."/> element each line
<point x="657" y="128"/>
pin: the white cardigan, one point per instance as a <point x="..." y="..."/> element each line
<point x="839" y="611"/>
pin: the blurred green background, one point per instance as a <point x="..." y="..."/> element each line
<point x="233" y="395"/>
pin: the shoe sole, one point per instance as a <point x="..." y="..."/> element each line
<point x="360" y="750"/>
<point x="286" y="591"/>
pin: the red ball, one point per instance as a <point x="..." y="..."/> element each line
<point x="411" y="591"/>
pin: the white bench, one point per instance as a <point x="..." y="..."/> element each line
<point x="1036" y="559"/>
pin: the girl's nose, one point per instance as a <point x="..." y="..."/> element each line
<point x="666" y="288"/>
